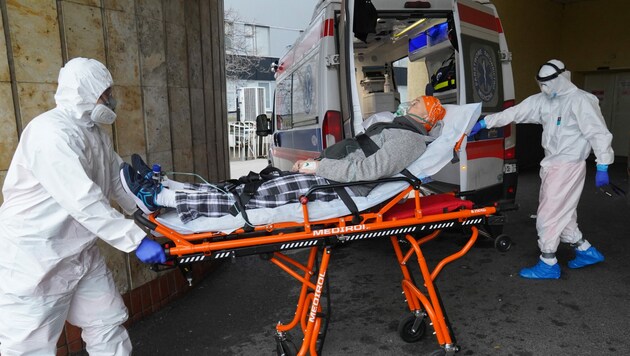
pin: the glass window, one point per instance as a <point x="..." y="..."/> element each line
<point x="229" y="33"/>
<point x="250" y="45"/>
<point x="284" y="116"/>
<point x="262" y="41"/>
<point x="267" y="94"/>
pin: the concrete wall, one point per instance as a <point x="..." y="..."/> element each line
<point x="165" y="57"/>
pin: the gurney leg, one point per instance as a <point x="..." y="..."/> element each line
<point x="433" y="304"/>
<point x="308" y="311"/>
<point x="415" y="297"/>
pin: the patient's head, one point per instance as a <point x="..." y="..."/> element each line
<point x="427" y="110"/>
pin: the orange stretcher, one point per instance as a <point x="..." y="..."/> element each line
<point x="416" y="220"/>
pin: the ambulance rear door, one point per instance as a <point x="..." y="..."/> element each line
<point x="481" y="59"/>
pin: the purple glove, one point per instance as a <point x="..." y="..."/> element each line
<point x="601" y="176"/>
<point x="150" y="251"/>
<point x="479" y="125"/>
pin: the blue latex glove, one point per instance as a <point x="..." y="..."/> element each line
<point x="150" y="251"/>
<point x="479" y="125"/>
<point x="601" y="176"/>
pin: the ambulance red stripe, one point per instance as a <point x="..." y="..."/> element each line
<point x="477" y="17"/>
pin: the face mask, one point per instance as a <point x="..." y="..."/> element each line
<point x="403" y="108"/>
<point x="103" y="115"/>
<point x="547" y="90"/>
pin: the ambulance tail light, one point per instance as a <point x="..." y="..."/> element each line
<point x="510" y="153"/>
<point x="332" y="128"/>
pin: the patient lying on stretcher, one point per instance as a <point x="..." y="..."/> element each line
<point x="384" y="150"/>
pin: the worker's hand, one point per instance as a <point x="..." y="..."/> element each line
<point x="601" y="176"/>
<point x="297" y="165"/>
<point x="479" y="125"/>
<point x="150" y="251"/>
<point x="309" y="166"/>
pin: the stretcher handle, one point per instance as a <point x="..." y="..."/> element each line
<point x="142" y="220"/>
<point x="415" y="183"/>
<point x="501" y="205"/>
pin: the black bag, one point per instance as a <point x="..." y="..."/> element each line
<point x="444" y="77"/>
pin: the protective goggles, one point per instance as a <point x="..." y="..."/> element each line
<point x="108" y="99"/>
<point x="552" y="76"/>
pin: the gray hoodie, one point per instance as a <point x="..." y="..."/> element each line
<point x="398" y="149"/>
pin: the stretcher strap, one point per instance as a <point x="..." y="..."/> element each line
<point x="239" y="207"/>
<point x="345" y="197"/>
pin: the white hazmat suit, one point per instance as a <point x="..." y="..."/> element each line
<point x="572" y="124"/>
<point x="56" y="203"/>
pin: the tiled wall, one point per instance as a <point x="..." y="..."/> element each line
<point x="165" y="57"/>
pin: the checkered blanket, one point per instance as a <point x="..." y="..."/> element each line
<point x="211" y="201"/>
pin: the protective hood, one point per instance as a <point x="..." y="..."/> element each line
<point x="563" y="69"/>
<point x="552" y="79"/>
<point x="81" y="83"/>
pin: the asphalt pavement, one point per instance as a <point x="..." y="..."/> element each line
<point x="492" y="310"/>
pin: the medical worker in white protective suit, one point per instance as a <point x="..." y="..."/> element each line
<point x="572" y="124"/>
<point x="56" y="203"/>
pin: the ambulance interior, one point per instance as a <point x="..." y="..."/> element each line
<point x="403" y="44"/>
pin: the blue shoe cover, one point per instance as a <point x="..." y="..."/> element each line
<point x="586" y="258"/>
<point x="541" y="271"/>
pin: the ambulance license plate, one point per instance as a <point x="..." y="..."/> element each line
<point x="509" y="168"/>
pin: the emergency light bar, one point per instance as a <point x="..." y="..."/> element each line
<point x="418" y="42"/>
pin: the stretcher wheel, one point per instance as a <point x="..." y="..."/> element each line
<point x="286" y="348"/>
<point x="438" y="352"/>
<point x="405" y="329"/>
<point x="502" y="243"/>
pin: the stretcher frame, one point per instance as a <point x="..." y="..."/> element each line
<point x="318" y="237"/>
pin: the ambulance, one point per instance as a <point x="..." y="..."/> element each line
<point x="358" y="58"/>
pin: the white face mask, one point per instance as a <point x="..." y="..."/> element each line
<point x="546" y="89"/>
<point x="103" y="115"/>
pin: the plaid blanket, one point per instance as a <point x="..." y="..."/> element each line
<point x="211" y="201"/>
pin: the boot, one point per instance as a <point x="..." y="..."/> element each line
<point x="541" y="271"/>
<point x="586" y="258"/>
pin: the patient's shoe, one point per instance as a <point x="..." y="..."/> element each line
<point x="143" y="191"/>
<point x="541" y="271"/>
<point x="585" y="258"/>
<point x="139" y="166"/>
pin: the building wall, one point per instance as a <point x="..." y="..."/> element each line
<point x="585" y="35"/>
<point x="165" y="57"/>
<point x="533" y="31"/>
<point x="596" y="35"/>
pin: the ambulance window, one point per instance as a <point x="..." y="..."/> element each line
<point x="304" y="100"/>
<point x="284" y="117"/>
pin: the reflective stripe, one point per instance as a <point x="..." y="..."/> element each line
<point x="441" y="85"/>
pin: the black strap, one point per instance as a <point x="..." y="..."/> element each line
<point x="400" y="122"/>
<point x="347" y="200"/>
<point x="240" y="207"/>
<point x="252" y="181"/>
